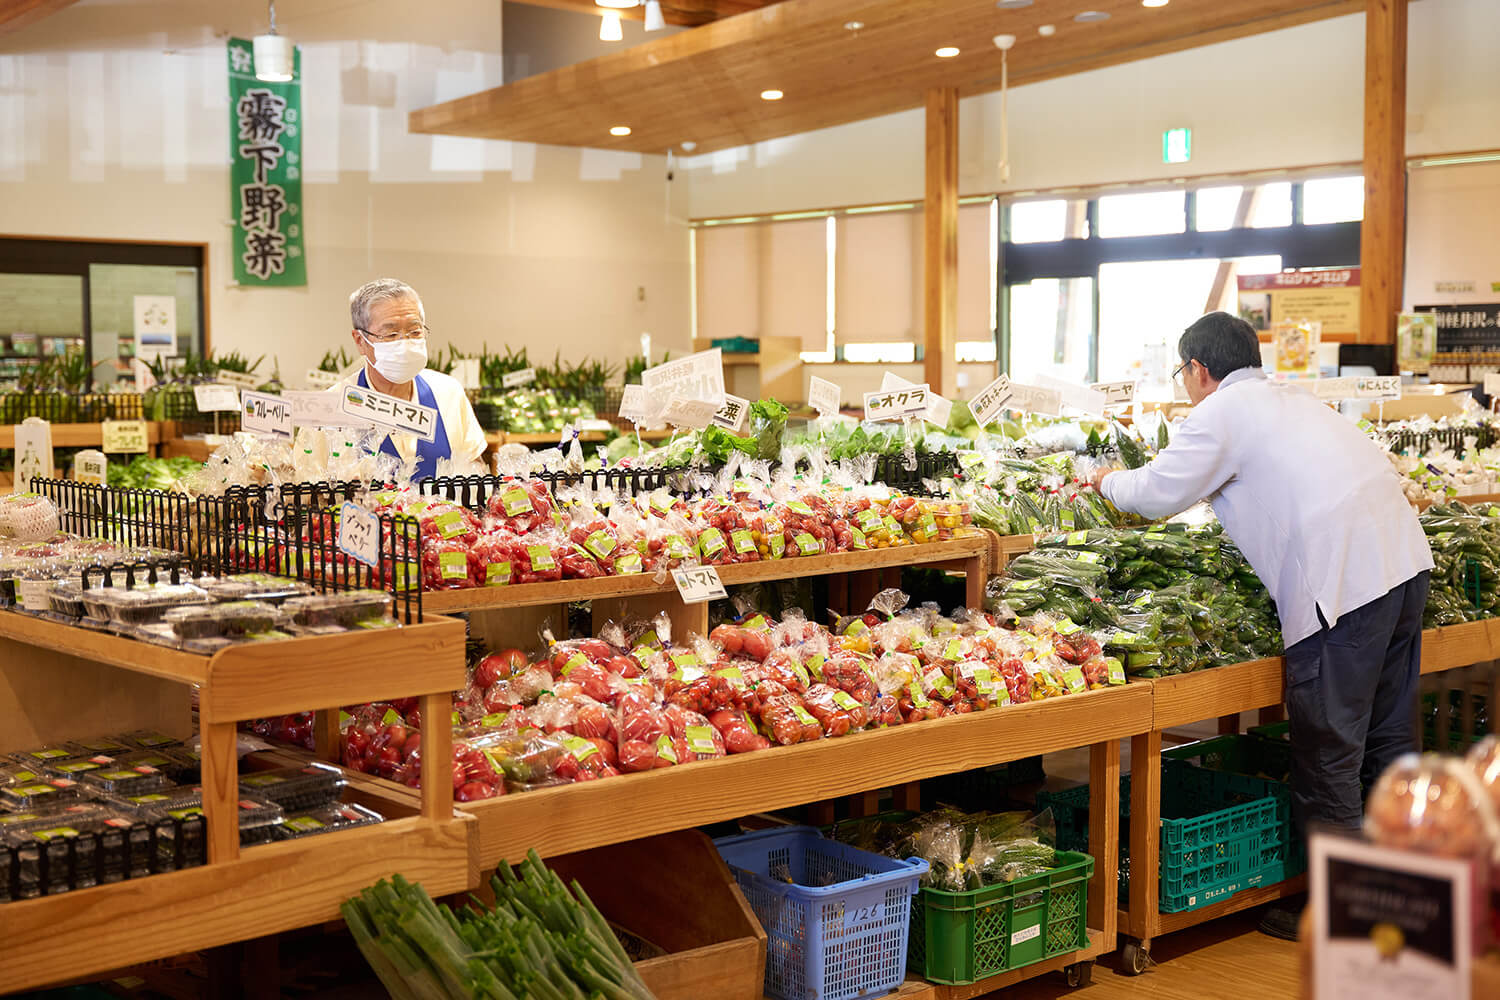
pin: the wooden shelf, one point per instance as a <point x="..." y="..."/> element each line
<point x="1217" y="691"/>
<point x="590" y="814"/>
<point x="547" y="437"/>
<point x="78" y="435"/>
<point x="275" y="678"/>
<point x="267" y="889"/>
<point x="533" y="594"/>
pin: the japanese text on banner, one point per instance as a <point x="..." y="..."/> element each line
<point x="265" y="152"/>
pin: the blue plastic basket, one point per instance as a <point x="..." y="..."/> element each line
<point x="835" y="917"/>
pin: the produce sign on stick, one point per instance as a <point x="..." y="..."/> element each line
<point x="1334" y="389"/>
<point x="240" y="380"/>
<point x="989" y="401"/>
<point x="938" y="409"/>
<point x="266" y="414"/>
<point x="388" y="411"/>
<point x="699" y="584"/>
<point x="318" y="379"/>
<point x="633" y="403"/>
<point x="124" y="437"/>
<point x="318" y="409"/>
<point x="359" y="533"/>
<point x="824" y="396"/>
<point x="1378" y="387"/>
<point x="696" y="377"/>
<point x="33" y="452"/>
<point x="90" y="466"/>
<point x="1117" y="394"/>
<point x="512" y="380"/>
<point x="693" y="413"/>
<point x="1034" y="399"/>
<point x="1079" y="397"/>
<point x="731" y="416"/>
<point x="897" y="403"/>
<point x="216" y="398"/>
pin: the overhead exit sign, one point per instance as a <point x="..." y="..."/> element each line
<point x="1177" y="145"/>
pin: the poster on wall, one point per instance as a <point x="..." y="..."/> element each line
<point x="1473" y="326"/>
<point x="1295" y="343"/>
<point x="1416" y="341"/>
<point x="265" y="177"/>
<point x="1329" y="296"/>
<point x="155" y="326"/>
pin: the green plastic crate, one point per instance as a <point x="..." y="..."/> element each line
<point x="985" y="789"/>
<point x="1220" y="833"/>
<point x="1254" y="756"/>
<point x="962" y="937"/>
<point x="1278" y="731"/>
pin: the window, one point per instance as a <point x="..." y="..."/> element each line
<point x="1038" y="221"/>
<point x="1333" y="199"/>
<point x="1216" y="208"/>
<point x="976" y="351"/>
<point x="1272" y="207"/>
<point x="1052" y="329"/>
<point x="1146" y="303"/>
<point x="1151" y="213"/>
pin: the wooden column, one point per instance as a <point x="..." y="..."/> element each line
<point x="1382" y="235"/>
<point x="940" y="242"/>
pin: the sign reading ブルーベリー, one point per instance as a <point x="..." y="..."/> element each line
<point x="265" y="177"/>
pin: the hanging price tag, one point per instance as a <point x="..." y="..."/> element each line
<point x="824" y="396"/>
<point x="989" y="401"/>
<point x="359" y="533"/>
<point x="897" y="403"/>
<point x="731" y="416"/>
<point x="1378" y="387"/>
<point x="266" y="414"/>
<point x="1116" y="393"/>
<point x="240" y="380"/>
<point x="90" y="466"/>
<point x="698" y="584"/>
<point x="216" y="398"/>
<point x="316" y="378"/>
<point x="124" y="437"/>
<point x="523" y="376"/>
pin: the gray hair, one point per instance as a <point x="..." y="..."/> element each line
<point x="368" y="295"/>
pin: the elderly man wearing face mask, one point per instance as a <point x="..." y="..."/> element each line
<point x="390" y="332"/>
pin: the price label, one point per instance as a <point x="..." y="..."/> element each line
<point x="316" y="378"/>
<point x="731" y="416"/>
<point x="989" y="401"/>
<point x="33" y="447"/>
<point x="124" y="437"/>
<point x="824" y="396"/>
<point x="90" y="466"/>
<point x="894" y="404"/>
<point x="693" y="413"/>
<point x="388" y="411"/>
<point x="266" y="414"/>
<point x="512" y="380"/>
<point x="1334" y="388"/>
<point x="214" y="398"/>
<point x="633" y="403"/>
<point x="1116" y="393"/>
<point x="359" y="533"/>
<point x="1378" y="387"/>
<point x="240" y="380"/>
<point x="698" y="584"/>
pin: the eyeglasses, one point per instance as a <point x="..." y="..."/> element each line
<point x="415" y="333"/>
<point x="1180" y="368"/>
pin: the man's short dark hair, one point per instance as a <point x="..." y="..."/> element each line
<point x="1221" y="343"/>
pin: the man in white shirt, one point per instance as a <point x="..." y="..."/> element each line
<point x="390" y="332"/>
<point x="1317" y="509"/>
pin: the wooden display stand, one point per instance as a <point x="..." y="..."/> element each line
<point x="773" y="372"/>
<point x="80" y="435"/>
<point x="60" y="682"/>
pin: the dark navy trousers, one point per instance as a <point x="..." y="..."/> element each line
<point x="1351" y="697"/>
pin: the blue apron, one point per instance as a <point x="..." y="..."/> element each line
<point x="428" y="452"/>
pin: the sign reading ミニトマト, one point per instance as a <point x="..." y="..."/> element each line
<point x="265" y="179"/>
<point x="388" y="411"/>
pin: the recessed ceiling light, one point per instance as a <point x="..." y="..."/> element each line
<point x="1154" y="3"/>
<point x="771" y="95"/>
<point x="947" y="52"/>
<point x="1046" y="30"/>
<point x="620" y="130"/>
<point x="1091" y="15"/>
<point x="853" y="25"/>
<point x="1012" y="4"/>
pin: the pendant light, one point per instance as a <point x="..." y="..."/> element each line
<point x="1004" y="43"/>
<point x="654" y="20"/>
<point x="273" y="54"/>
<point x="609" y="27"/>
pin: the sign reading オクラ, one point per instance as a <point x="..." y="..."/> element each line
<point x="1329" y="296"/>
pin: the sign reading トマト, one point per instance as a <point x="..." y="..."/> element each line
<point x="388" y="411"/>
<point x="265" y="178"/>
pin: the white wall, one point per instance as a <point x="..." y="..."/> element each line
<point x="114" y="124"/>
<point x="1282" y="99"/>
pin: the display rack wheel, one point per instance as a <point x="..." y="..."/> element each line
<point x="1134" y="958"/>
<point x="1080" y="973"/>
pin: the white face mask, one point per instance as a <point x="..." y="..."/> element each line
<point x="399" y="361"/>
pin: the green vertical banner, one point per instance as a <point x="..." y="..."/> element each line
<point x="265" y="181"/>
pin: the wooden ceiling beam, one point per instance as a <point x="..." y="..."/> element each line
<point x="703" y="85"/>
<point x="17" y="14"/>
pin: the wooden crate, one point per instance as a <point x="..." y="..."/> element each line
<point x="676" y="892"/>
